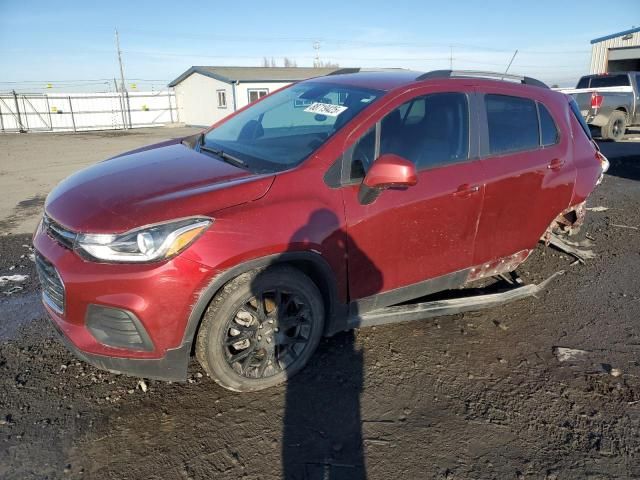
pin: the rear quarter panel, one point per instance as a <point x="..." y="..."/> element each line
<point x="588" y="168"/>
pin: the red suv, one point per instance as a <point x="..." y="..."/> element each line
<point x="301" y="214"/>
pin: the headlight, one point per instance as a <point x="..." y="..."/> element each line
<point x="146" y="244"/>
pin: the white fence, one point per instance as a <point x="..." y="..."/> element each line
<point x="87" y="111"/>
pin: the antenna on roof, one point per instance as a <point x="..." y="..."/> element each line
<point x="512" y="59"/>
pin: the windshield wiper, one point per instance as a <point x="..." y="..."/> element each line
<point x="235" y="161"/>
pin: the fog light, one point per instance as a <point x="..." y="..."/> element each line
<point x="117" y="327"/>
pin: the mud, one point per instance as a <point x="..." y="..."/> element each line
<point x="480" y="395"/>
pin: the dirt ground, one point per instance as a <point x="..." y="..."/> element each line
<point x="31" y="164"/>
<point x="480" y="395"/>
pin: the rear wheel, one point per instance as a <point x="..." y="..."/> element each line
<point x="261" y="329"/>
<point x="616" y="128"/>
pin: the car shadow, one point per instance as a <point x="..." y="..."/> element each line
<point x="624" y="158"/>
<point x="322" y="427"/>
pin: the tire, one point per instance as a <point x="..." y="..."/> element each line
<point x="616" y="128"/>
<point x="285" y="337"/>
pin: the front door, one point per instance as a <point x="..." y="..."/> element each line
<point x="408" y="237"/>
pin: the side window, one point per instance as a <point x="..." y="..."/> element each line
<point x="512" y="124"/>
<point x="414" y="113"/>
<point x="257" y="93"/>
<point x="548" y="130"/>
<point x="222" y="99"/>
<point x="429" y="131"/>
<point x="364" y="152"/>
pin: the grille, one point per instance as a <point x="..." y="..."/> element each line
<point x="64" y="237"/>
<point x="51" y="283"/>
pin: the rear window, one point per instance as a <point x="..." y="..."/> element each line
<point x="512" y="123"/>
<point x="584" y="82"/>
<point x="610" y="81"/>
<point x="548" y="130"/>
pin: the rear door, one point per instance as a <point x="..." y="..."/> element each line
<point x="529" y="176"/>
<point x="428" y="230"/>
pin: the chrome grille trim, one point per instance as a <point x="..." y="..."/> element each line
<point x="53" y="291"/>
<point x="63" y="236"/>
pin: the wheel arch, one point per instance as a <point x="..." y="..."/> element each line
<point x="311" y="264"/>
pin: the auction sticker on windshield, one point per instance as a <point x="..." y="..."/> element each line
<point x="325" y="109"/>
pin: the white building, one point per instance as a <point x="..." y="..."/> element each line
<point x="617" y="52"/>
<point x="205" y="95"/>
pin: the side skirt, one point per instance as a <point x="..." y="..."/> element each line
<point x="421" y="311"/>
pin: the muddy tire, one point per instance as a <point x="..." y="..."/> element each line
<point x="261" y="329"/>
<point x="616" y="128"/>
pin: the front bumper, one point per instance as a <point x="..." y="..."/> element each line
<point x="171" y="367"/>
<point x="159" y="297"/>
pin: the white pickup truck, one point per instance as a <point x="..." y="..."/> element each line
<point x="609" y="101"/>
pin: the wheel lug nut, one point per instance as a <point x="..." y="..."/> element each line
<point x="270" y="321"/>
<point x="269" y="340"/>
<point x="276" y="329"/>
<point x="259" y="337"/>
<point x="260" y="326"/>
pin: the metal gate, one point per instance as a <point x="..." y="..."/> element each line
<point x="20" y="112"/>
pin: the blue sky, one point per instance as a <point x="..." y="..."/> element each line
<point x="71" y="43"/>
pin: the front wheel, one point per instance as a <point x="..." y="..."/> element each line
<point x="261" y="329"/>
<point x="616" y="128"/>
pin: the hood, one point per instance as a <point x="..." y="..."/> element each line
<point x="153" y="184"/>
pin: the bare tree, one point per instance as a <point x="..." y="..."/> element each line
<point x="273" y="62"/>
<point x="289" y="63"/>
<point x="327" y="64"/>
<point x="265" y="62"/>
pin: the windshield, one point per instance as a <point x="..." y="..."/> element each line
<point x="285" y="128"/>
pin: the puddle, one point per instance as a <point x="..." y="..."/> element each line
<point x="18" y="311"/>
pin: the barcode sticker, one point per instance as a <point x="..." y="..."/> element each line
<point x="325" y="109"/>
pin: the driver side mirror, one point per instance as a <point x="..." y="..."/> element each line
<point x="388" y="171"/>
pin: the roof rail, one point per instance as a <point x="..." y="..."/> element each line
<point x="479" y="74"/>
<point x="342" y="71"/>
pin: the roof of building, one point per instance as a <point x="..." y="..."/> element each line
<point x="255" y="74"/>
<point x="614" y="35"/>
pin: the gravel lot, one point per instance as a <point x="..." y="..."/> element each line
<point x="479" y="395"/>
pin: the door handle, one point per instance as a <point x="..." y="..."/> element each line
<point x="555" y="164"/>
<point x="466" y="190"/>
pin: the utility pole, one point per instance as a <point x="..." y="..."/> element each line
<point x="316" y="60"/>
<point x="123" y="88"/>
